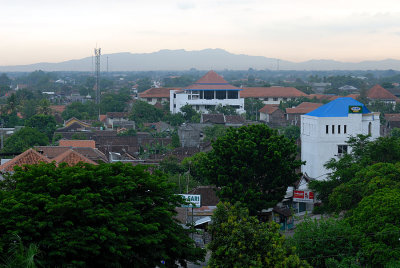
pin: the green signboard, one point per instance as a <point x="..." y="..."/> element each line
<point x="355" y="109"/>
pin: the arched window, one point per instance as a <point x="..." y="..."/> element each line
<point x="369" y="128"/>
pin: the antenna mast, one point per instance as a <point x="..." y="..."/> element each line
<point x="97" y="53"/>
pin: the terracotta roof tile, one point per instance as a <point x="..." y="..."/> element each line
<point x="378" y="92"/>
<point x="213" y="118"/>
<point x="211" y="81"/>
<point x="269" y="108"/>
<point x="234" y="119"/>
<point x="117" y="115"/>
<point x="78" y="143"/>
<point x="53" y="151"/>
<point x="102" y="118"/>
<point x="303" y="108"/>
<point x="29" y="157"/>
<point x="72" y="157"/>
<point x="161" y="92"/>
<point x="392" y="117"/>
<point x="265" y="92"/>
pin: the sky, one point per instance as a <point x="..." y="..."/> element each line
<point x="294" y="30"/>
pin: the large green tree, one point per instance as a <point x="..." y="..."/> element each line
<point x="253" y="165"/>
<point x="142" y="112"/>
<point x="109" y="215"/>
<point x="24" y="139"/>
<point x="240" y="240"/>
<point x="43" y="123"/>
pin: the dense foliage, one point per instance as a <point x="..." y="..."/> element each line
<point x="240" y="240"/>
<point x="252" y="165"/>
<point x="110" y="215"/>
<point x="24" y="139"/>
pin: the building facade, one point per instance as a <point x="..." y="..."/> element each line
<point x="272" y="95"/>
<point x="324" y="132"/>
<point x="208" y="92"/>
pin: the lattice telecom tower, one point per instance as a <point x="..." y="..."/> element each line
<point x="97" y="53"/>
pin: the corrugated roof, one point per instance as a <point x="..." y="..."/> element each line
<point x="211" y="81"/>
<point x="268" y="92"/>
<point x="337" y="108"/>
<point x="378" y="92"/>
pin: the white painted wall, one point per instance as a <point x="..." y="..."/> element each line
<point x="178" y="100"/>
<point x="318" y="147"/>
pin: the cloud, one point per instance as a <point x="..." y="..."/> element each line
<point x="186" y="5"/>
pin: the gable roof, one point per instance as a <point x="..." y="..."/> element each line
<point x="303" y="108"/>
<point x="234" y="119"/>
<point x="29" y="157"/>
<point x="265" y="92"/>
<point x="72" y="157"/>
<point x="160" y="92"/>
<point x="338" y="108"/>
<point x="378" y="92"/>
<point x="53" y="151"/>
<point x="75" y="120"/>
<point x="212" y="118"/>
<point x="269" y="108"/>
<point x="211" y="81"/>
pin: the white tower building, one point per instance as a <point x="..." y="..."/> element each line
<point x="324" y="132"/>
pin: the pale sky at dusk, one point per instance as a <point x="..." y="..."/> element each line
<point x="295" y="30"/>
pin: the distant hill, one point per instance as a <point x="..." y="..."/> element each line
<point x="216" y="59"/>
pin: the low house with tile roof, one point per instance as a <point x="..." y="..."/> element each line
<point x="272" y="115"/>
<point x="52" y="152"/>
<point x="156" y="95"/>
<point x="293" y="115"/>
<point x="206" y="93"/>
<point x="378" y="93"/>
<point x="33" y="157"/>
<point x="272" y="95"/>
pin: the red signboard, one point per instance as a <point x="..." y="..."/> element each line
<point x="303" y="196"/>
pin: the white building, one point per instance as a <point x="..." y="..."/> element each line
<point x="324" y="132"/>
<point x="208" y="92"/>
<point x="272" y="95"/>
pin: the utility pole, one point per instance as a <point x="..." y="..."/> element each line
<point x="97" y="53"/>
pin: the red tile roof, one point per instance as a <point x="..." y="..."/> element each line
<point x="322" y="97"/>
<point x="29" y="157"/>
<point x="211" y="81"/>
<point x="354" y="96"/>
<point x="102" y="117"/>
<point x="265" y="92"/>
<point x="378" y="92"/>
<point x="161" y="92"/>
<point x="392" y="117"/>
<point x="303" y="108"/>
<point x="78" y="143"/>
<point x="72" y="157"/>
<point x="269" y="108"/>
<point x="54" y="151"/>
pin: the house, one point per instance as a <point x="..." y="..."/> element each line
<point x="325" y="130"/>
<point x="32" y="157"/>
<point x="208" y="92"/>
<point x="227" y="120"/>
<point x="378" y="93"/>
<point x="272" y="115"/>
<point x="293" y="114"/>
<point x="272" y="95"/>
<point x="91" y="153"/>
<point x="392" y="121"/>
<point x="191" y="135"/>
<point x="154" y="95"/>
<point x="115" y="119"/>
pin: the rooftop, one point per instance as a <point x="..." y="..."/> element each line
<point x="265" y="92"/>
<point x="378" y="92"/>
<point x="303" y="108"/>
<point x="211" y="81"/>
<point x="161" y="92"/>
<point x="338" y="108"/>
<point x="269" y="108"/>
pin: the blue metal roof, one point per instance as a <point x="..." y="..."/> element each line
<point x="338" y="108"/>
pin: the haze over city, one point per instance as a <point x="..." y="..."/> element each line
<point x="54" y="31"/>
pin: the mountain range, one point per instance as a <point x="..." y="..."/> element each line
<point x="207" y="59"/>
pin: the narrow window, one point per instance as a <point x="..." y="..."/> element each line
<point x="338" y="129"/>
<point x="345" y="129"/>
<point x="327" y="129"/>
<point x="369" y="128"/>
<point x="333" y="129"/>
